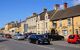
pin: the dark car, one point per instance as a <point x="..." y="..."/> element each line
<point x="54" y="36"/>
<point x="27" y="34"/>
<point x="57" y="37"/>
<point x="38" y="39"/>
<point x="73" y="38"/>
<point x="7" y="36"/>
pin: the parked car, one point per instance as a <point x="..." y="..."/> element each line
<point x="7" y="36"/>
<point x="38" y="39"/>
<point x="1" y="34"/>
<point x="27" y="34"/>
<point x="57" y="37"/>
<point x="54" y="36"/>
<point x="73" y="38"/>
<point x="18" y="37"/>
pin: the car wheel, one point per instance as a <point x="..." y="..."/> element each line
<point x="49" y="43"/>
<point x="77" y="42"/>
<point x="37" y="42"/>
<point x="62" y="39"/>
<point x="69" y="42"/>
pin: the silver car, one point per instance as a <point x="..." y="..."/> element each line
<point x="18" y="37"/>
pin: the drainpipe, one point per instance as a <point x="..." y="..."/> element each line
<point x="72" y="25"/>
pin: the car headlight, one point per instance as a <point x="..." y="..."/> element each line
<point x="40" y="39"/>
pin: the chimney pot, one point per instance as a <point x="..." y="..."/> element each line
<point x="65" y="5"/>
<point x="45" y="10"/>
<point x="34" y="14"/>
<point x="57" y="6"/>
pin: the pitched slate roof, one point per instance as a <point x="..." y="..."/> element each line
<point x="42" y="15"/>
<point x="32" y="16"/>
<point x="67" y="13"/>
<point x="50" y="14"/>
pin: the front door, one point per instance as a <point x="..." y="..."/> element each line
<point x="76" y="31"/>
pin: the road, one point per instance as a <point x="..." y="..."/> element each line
<point x="10" y="44"/>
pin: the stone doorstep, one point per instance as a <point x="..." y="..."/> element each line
<point x="64" y="43"/>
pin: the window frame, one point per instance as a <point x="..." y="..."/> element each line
<point x="69" y="21"/>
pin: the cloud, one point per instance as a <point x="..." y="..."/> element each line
<point x="76" y="2"/>
<point x="61" y="6"/>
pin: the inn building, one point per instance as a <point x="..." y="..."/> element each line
<point x="67" y="21"/>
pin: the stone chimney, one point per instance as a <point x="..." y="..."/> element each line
<point x="44" y="10"/>
<point x="34" y="14"/>
<point x="56" y="7"/>
<point x="65" y="5"/>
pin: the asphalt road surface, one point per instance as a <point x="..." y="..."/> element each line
<point x="10" y="44"/>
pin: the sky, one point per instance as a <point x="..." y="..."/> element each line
<point x="14" y="10"/>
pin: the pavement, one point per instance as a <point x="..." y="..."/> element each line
<point x="11" y="44"/>
<point x="66" y="44"/>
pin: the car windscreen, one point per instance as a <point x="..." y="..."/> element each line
<point x="40" y="36"/>
<point x="71" y="36"/>
<point x="18" y="35"/>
